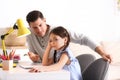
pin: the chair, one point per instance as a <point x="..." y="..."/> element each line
<point x="96" y="70"/>
<point x="85" y="60"/>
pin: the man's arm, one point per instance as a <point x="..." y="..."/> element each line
<point x="101" y="52"/>
<point x="32" y="54"/>
<point x="84" y="40"/>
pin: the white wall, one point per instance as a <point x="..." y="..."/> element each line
<point x="96" y="18"/>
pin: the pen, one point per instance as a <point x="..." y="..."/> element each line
<point x="11" y="55"/>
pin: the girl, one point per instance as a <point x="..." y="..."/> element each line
<point x="63" y="58"/>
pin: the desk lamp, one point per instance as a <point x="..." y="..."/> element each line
<point x="22" y="31"/>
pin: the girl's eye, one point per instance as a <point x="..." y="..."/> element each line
<point x="50" y="40"/>
<point x="56" y="39"/>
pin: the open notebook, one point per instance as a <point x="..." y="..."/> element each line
<point x="28" y="65"/>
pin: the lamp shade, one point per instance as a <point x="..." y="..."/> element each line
<point x="22" y="30"/>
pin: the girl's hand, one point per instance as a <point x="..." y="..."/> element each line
<point x="36" y="69"/>
<point x="49" y="45"/>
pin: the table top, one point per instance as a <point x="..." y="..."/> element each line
<point x="20" y="73"/>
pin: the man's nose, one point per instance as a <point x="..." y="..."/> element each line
<point x="39" y="29"/>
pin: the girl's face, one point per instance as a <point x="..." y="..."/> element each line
<point x="57" y="42"/>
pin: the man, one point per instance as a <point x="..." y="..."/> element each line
<point x="38" y="39"/>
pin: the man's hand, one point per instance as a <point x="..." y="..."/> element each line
<point x="104" y="55"/>
<point x="107" y="57"/>
<point x="33" y="57"/>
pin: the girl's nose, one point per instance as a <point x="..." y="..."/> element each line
<point x="52" y="43"/>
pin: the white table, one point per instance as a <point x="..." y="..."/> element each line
<point x="19" y="73"/>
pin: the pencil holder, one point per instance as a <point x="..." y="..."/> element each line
<point x="7" y="64"/>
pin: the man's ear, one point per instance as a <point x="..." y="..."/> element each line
<point x="29" y="24"/>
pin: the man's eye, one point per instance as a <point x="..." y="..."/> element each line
<point x="35" y="28"/>
<point x="40" y="25"/>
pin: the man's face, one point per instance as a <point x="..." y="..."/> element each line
<point x="39" y="27"/>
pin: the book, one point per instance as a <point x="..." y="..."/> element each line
<point x="27" y="65"/>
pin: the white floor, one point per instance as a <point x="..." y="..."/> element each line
<point x="114" y="72"/>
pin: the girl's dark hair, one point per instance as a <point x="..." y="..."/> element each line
<point x="62" y="32"/>
<point x="33" y="16"/>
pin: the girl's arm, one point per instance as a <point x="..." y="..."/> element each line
<point x="57" y="66"/>
<point x="46" y="60"/>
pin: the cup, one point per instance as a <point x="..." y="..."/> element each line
<point x="7" y="64"/>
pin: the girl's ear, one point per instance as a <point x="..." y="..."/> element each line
<point x="65" y="40"/>
<point x="44" y="19"/>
